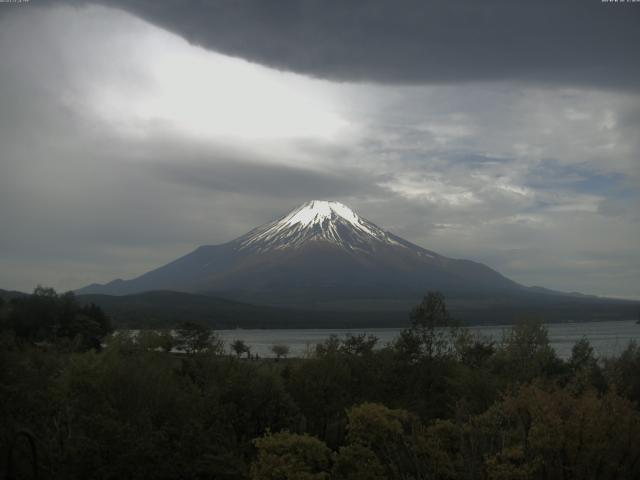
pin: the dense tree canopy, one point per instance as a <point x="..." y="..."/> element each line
<point x="47" y="316"/>
<point x="440" y="403"/>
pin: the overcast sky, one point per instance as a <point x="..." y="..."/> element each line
<point x="505" y="132"/>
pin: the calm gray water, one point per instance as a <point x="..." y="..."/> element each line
<point x="607" y="338"/>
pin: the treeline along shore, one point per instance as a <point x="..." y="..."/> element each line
<point x="78" y="402"/>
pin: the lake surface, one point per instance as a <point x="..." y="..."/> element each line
<point x="607" y="338"/>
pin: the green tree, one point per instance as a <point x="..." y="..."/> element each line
<point x="280" y="351"/>
<point x="152" y="340"/>
<point x="360" y="344"/>
<point x="3" y="315"/>
<point x="438" y="449"/>
<point x="192" y="338"/>
<point x="473" y="351"/>
<point x="622" y="371"/>
<point x="288" y="456"/>
<point x="239" y="347"/>
<point x="47" y="316"/>
<point x="556" y="434"/>
<point x="582" y="355"/>
<point x="244" y="398"/>
<point x="585" y="371"/>
<point x="330" y="346"/>
<point x="526" y="353"/>
<point x="321" y="388"/>
<point x="429" y="335"/>
<point x="357" y="462"/>
<point x="132" y="414"/>
<point x="385" y="432"/>
<point x="35" y="317"/>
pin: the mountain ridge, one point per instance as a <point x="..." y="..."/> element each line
<point x="320" y="250"/>
<point x="156" y="309"/>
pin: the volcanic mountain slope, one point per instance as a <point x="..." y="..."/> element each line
<point x="321" y="251"/>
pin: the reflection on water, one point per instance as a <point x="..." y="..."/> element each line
<point x="607" y="338"/>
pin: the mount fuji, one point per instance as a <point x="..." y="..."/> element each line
<point x="320" y="252"/>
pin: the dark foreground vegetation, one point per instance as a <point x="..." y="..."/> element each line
<point x="435" y="404"/>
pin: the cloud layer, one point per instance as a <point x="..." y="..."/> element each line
<point x="125" y="146"/>
<point x="412" y="41"/>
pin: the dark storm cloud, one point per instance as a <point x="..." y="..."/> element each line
<point x="416" y="41"/>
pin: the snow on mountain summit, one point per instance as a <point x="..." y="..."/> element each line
<point x="318" y="211"/>
<point x="317" y="220"/>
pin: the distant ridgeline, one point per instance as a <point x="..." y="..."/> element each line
<point x="165" y="308"/>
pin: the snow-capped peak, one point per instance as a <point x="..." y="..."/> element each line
<point x="318" y="211"/>
<point x="317" y="220"/>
